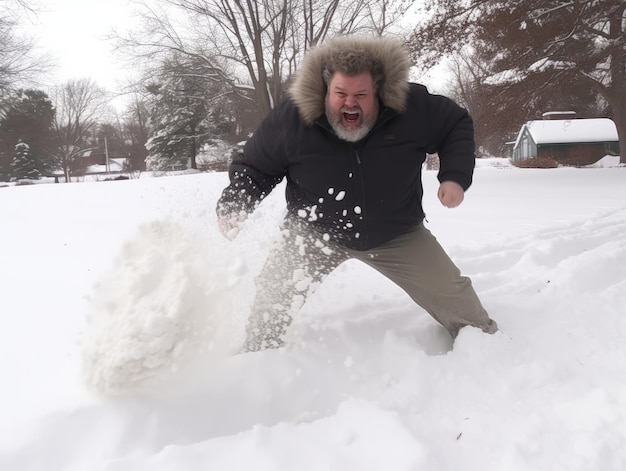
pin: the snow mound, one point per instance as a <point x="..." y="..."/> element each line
<point x="160" y="302"/>
<point x="607" y="161"/>
<point x="346" y="440"/>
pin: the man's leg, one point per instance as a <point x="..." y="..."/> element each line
<point x="294" y="268"/>
<point x="418" y="264"/>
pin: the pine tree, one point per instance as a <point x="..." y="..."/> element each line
<point x="23" y="166"/>
<point x="188" y="111"/>
<point x="28" y="116"/>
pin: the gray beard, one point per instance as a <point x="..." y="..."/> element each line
<point x="350" y="135"/>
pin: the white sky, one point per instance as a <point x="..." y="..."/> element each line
<point x="74" y="32"/>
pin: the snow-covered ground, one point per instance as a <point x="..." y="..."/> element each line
<point x="122" y="307"/>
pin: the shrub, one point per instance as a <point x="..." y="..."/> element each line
<point x="537" y="162"/>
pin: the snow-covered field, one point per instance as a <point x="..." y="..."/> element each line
<point x="122" y="306"/>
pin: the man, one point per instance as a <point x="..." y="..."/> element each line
<point x="351" y="140"/>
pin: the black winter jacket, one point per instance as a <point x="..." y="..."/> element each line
<point x="362" y="194"/>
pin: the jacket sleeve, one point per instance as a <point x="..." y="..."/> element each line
<point x="453" y="141"/>
<point x="256" y="171"/>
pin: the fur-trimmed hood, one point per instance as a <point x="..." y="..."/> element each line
<point x="308" y="89"/>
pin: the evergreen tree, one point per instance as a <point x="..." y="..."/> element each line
<point x="187" y="112"/>
<point x="28" y="117"/>
<point x="23" y="166"/>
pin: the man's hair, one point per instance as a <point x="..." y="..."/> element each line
<point x="353" y="62"/>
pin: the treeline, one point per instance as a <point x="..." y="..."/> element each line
<point x="165" y="126"/>
<point x="212" y="69"/>
<point x="42" y="134"/>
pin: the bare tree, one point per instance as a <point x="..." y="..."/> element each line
<point x="256" y="44"/>
<point x="80" y="105"/>
<point x="19" y="61"/>
<point x="466" y="83"/>
<point x="137" y="131"/>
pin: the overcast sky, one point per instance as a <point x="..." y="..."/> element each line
<point x="74" y="32"/>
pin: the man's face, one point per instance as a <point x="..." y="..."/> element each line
<point x="351" y="105"/>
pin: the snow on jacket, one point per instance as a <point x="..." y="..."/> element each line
<point x="359" y="194"/>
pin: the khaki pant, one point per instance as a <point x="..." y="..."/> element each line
<point x="414" y="261"/>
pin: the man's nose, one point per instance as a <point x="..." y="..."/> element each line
<point x="350" y="101"/>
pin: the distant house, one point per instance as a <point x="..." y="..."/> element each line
<point x="97" y="162"/>
<point x="566" y="139"/>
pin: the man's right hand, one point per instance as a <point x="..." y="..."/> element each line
<point x="450" y="194"/>
<point x="229" y="226"/>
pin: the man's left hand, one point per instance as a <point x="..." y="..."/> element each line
<point x="450" y="194"/>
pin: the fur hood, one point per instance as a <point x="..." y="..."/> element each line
<point x="308" y="89"/>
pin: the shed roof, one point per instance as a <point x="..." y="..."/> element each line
<point x="572" y="131"/>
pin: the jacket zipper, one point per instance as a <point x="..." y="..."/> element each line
<point x="384" y="117"/>
<point x="363" y="209"/>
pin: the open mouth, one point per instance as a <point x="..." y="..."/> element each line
<point x="351" y="117"/>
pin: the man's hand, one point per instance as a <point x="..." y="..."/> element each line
<point x="450" y="194"/>
<point x="229" y="227"/>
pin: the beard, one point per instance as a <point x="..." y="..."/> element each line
<point x="353" y="133"/>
